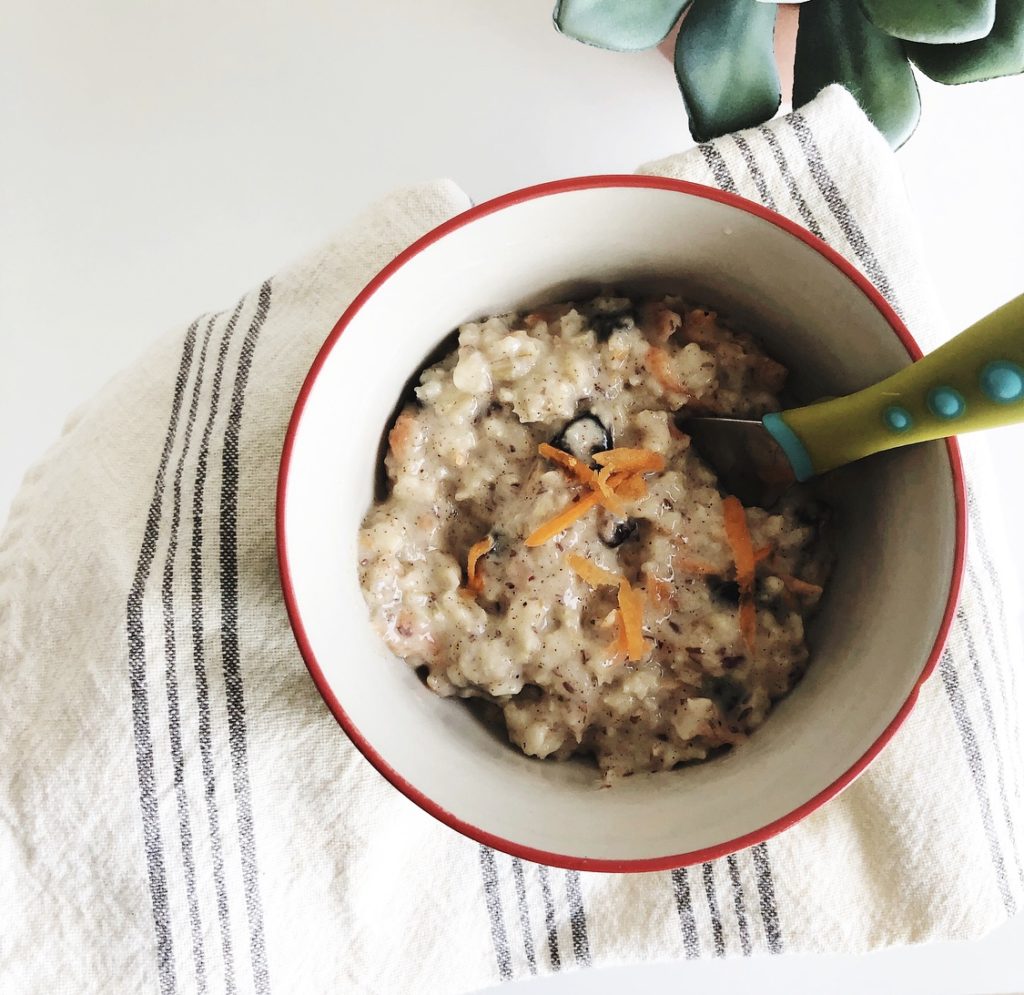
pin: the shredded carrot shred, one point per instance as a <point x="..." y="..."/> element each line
<point x="748" y="619"/>
<point x="631" y="460"/>
<point x="664" y="320"/>
<point x="573" y="465"/>
<point x="563" y="519"/>
<point x="631" y="612"/>
<point x="585" y="475"/>
<point x="632" y="488"/>
<point x="608" y="496"/>
<point x="798" y="586"/>
<point x="738" y="534"/>
<point x="630" y="641"/>
<point x="656" y="360"/>
<point x="762" y="554"/>
<point x="558" y="455"/>
<point x="474" y="579"/>
<point x="622" y="643"/>
<point x="659" y="591"/>
<point x="590" y="572"/>
<point x="617" y="647"/>
<point x="620" y="477"/>
<point x="693" y="565"/>
<point x="630" y="616"/>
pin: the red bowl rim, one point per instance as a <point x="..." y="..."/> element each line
<point x="413" y="793"/>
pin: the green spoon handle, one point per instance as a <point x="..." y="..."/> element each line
<point x="974" y="381"/>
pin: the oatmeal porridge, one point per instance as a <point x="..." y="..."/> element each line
<point x="551" y="544"/>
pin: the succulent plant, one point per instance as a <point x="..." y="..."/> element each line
<point x="725" y="56"/>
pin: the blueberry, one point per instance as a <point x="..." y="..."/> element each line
<point x="619" y="532"/>
<point x="604" y="324"/>
<point x="585" y="435"/>
<point x="726" y="693"/>
<point x="727" y="592"/>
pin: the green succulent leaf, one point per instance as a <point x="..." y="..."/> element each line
<point x="933" y="21"/>
<point x="1000" y="54"/>
<point x="621" y="25"/>
<point x="725" y="65"/>
<point x="836" y="43"/>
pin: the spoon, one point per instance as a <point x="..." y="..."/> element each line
<point x="974" y="381"/>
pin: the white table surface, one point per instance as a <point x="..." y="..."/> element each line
<point x="160" y="158"/>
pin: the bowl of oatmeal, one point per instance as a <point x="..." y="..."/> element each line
<point x="524" y="595"/>
<point x="549" y="545"/>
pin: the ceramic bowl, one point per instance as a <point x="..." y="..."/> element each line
<point x="899" y="536"/>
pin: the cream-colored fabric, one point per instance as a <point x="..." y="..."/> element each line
<point x="180" y="812"/>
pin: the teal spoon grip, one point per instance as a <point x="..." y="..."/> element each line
<point x="974" y="381"/>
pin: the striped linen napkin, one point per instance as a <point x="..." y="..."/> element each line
<point x="178" y="809"/>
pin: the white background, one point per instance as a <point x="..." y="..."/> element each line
<point x="160" y="158"/>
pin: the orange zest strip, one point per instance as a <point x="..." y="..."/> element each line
<point x="631" y="612"/>
<point x="590" y="572"/>
<point x="656" y="360"/>
<point x="762" y="554"/>
<point x="798" y="586"/>
<point x="631" y="460"/>
<point x="563" y="519"/>
<point x="474" y="579"/>
<point x="738" y="534"/>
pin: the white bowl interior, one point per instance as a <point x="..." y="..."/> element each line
<point x="896" y="516"/>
